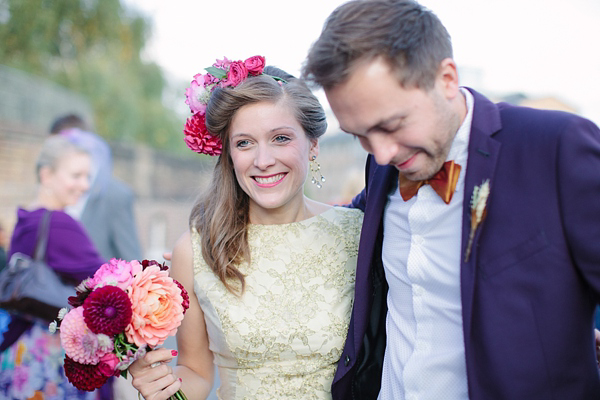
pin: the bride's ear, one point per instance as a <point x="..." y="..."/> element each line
<point x="314" y="149"/>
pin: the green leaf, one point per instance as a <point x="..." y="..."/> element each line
<point x="217" y="72"/>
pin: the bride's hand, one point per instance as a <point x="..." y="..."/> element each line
<point x="153" y="377"/>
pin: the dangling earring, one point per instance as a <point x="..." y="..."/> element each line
<point x="315" y="171"/>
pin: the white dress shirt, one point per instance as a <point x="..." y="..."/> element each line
<point x="425" y="355"/>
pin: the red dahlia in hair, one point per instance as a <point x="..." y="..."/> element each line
<point x="107" y="310"/>
<point x="84" y="376"/>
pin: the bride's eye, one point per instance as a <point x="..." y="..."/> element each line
<point x="242" y="143"/>
<point x="282" y="139"/>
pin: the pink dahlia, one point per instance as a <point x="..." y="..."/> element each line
<point x="81" y="344"/>
<point x="115" y="272"/>
<point x="255" y="65"/>
<point x="107" y="310"/>
<point x="157" y="307"/>
<point x="84" y="377"/>
<point x="199" y="139"/>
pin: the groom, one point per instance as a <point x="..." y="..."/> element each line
<point x="479" y="261"/>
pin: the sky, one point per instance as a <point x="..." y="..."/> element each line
<point x="536" y="47"/>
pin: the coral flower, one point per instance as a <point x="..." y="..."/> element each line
<point x="79" y="342"/>
<point x="157" y="307"/>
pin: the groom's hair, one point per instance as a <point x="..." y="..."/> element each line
<point x="401" y="32"/>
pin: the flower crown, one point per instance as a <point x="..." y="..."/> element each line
<point x="223" y="73"/>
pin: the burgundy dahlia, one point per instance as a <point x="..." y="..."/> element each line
<point x="107" y="310"/>
<point x="148" y="263"/>
<point x="84" y="376"/>
<point x="78" y="299"/>
<point x="184" y="294"/>
<point x="81" y="293"/>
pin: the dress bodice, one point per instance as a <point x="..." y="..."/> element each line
<point x="282" y="338"/>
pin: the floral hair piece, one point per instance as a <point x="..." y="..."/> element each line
<point x="223" y="73"/>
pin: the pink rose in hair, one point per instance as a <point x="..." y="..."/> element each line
<point x="237" y="74"/>
<point x="255" y="65"/>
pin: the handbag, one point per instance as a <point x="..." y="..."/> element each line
<point x="29" y="287"/>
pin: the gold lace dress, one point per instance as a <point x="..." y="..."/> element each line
<point x="283" y="337"/>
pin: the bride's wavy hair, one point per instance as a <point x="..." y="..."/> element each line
<point x="220" y="215"/>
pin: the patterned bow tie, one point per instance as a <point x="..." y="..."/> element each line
<point x="443" y="182"/>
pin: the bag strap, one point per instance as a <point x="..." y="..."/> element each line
<point x="42" y="237"/>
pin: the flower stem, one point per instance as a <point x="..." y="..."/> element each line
<point x="178" y="396"/>
<point x="470" y="244"/>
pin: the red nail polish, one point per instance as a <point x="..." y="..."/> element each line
<point x="180" y="380"/>
<point x="174" y="353"/>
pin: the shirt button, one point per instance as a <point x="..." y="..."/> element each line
<point x="346" y="360"/>
<point x="421" y="346"/>
<point x="418" y="239"/>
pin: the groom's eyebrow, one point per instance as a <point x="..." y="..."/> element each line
<point x="379" y="125"/>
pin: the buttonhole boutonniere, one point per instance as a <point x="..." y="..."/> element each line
<point x="478" y="211"/>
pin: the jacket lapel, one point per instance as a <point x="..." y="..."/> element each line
<point x="481" y="164"/>
<point x="379" y="182"/>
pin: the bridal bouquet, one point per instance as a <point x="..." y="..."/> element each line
<point x="124" y="310"/>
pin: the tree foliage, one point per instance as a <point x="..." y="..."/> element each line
<point x="93" y="47"/>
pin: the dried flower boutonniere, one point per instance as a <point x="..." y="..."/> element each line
<point x="478" y="211"/>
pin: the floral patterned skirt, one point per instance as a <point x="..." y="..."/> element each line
<point x="32" y="368"/>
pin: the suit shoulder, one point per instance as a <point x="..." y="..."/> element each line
<point x="118" y="192"/>
<point x="535" y="118"/>
<point x="118" y="186"/>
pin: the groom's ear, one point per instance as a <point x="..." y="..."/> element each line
<point x="447" y="78"/>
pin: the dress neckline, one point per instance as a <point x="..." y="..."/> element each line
<point x="291" y="224"/>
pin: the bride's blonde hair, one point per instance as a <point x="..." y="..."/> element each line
<point x="220" y="215"/>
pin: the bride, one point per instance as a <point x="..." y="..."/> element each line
<point x="270" y="272"/>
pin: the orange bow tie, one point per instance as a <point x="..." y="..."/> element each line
<point x="443" y="182"/>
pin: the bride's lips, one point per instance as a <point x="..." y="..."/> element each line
<point x="266" y="181"/>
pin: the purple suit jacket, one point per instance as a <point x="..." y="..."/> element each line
<point x="531" y="284"/>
